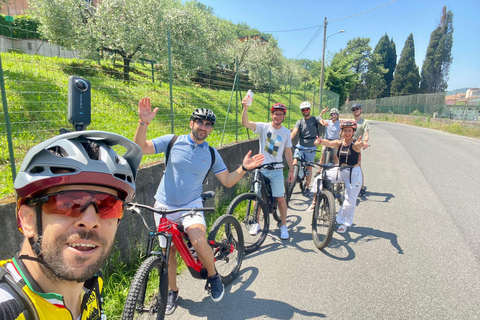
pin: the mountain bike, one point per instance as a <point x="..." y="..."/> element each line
<point x="253" y="208"/>
<point x="324" y="213"/>
<point x="147" y="296"/>
<point x="300" y="171"/>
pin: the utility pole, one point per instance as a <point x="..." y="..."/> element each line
<point x="323" y="61"/>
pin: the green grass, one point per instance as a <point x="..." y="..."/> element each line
<point x="37" y="99"/>
<point x="465" y="128"/>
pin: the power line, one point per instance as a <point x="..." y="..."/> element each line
<point x="366" y="11"/>
<point x="312" y="40"/>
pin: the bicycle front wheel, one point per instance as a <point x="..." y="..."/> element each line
<point x="323" y="220"/>
<point x="254" y="219"/>
<point x="228" y="247"/>
<point x="147" y="296"/>
<point x="291" y="186"/>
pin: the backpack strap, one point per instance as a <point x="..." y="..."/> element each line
<point x="17" y="287"/>
<point x="169" y="148"/>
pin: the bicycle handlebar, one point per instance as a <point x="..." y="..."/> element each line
<point x="269" y="166"/>
<point x="306" y="149"/>
<point x="133" y="207"/>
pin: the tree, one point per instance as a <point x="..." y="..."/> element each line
<point x="359" y="52"/>
<point x="438" y="58"/>
<point x="375" y="83"/>
<point x="133" y="27"/>
<point x="339" y="76"/>
<point x="406" y="78"/>
<point x="387" y="52"/>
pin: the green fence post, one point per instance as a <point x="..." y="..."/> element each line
<point x="269" y="93"/>
<point x="314" y="95"/>
<point x="7" y="123"/>
<point x="290" y="102"/>
<point x="170" y="76"/>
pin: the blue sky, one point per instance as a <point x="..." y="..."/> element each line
<point x="398" y="19"/>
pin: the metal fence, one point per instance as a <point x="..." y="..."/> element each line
<point x="432" y="104"/>
<point x="35" y="96"/>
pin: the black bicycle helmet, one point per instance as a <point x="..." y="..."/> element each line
<point x="204" y="114"/>
<point x="356" y="105"/>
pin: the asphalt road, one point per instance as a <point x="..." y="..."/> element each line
<point x="412" y="253"/>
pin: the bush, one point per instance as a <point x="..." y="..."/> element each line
<point x="22" y="27"/>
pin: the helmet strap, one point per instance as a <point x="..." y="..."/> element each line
<point x="37" y="245"/>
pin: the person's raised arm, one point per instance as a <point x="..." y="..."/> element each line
<point x="245" y="122"/>
<point x="359" y="144"/>
<point x="146" y="115"/>
<point x="327" y="143"/>
<point x="228" y="179"/>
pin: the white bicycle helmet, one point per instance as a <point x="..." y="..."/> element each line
<point x="64" y="160"/>
<point x="334" y="110"/>
<point x="305" y="105"/>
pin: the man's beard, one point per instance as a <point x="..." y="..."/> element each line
<point x="56" y="268"/>
<point x="197" y="135"/>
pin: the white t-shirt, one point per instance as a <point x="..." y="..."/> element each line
<point x="273" y="142"/>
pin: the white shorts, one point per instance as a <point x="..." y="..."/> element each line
<point x="186" y="221"/>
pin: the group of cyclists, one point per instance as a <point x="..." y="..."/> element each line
<point x="71" y="190"/>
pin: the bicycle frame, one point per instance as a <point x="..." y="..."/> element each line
<point x="173" y="232"/>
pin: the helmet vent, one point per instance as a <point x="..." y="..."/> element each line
<point x="62" y="170"/>
<point x="58" y="151"/>
<point x="36" y="170"/>
<point x="123" y="177"/>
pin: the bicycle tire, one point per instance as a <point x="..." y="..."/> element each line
<point x="227" y="230"/>
<point x="291" y="186"/>
<point x="340" y="193"/>
<point x="136" y="306"/>
<point x="249" y="209"/>
<point x="275" y="210"/>
<point x="323" y="219"/>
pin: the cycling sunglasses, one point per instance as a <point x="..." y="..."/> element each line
<point x="206" y="124"/>
<point x="355" y="109"/>
<point x="72" y="203"/>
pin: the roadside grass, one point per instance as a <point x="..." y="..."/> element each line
<point x="464" y="128"/>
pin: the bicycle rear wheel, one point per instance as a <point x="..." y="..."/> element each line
<point x="323" y="219"/>
<point x="249" y="210"/>
<point x="228" y="255"/>
<point x="147" y="296"/>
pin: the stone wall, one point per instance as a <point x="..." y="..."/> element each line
<point x="131" y="231"/>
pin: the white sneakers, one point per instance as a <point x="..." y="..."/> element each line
<point x="254" y="229"/>
<point x="284" y="233"/>
<point x="311" y="207"/>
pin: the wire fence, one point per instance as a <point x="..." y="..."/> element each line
<point x="34" y="81"/>
<point x="437" y="105"/>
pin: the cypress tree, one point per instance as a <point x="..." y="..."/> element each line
<point x="438" y="58"/>
<point x="406" y="78"/>
<point x="387" y="52"/>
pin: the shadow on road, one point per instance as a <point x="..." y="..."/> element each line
<point x="375" y="197"/>
<point x="340" y="246"/>
<point x="239" y="303"/>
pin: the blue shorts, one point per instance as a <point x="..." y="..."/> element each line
<point x="309" y="156"/>
<point x="276" y="181"/>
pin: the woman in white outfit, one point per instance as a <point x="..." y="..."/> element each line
<point x="348" y="154"/>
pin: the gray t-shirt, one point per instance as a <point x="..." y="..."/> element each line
<point x="362" y="127"/>
<point x="308" y="129"/>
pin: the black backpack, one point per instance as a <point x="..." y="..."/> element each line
<point x="172" y="142"/>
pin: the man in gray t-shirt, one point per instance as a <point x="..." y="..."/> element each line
<point x="309" y="128"/>
<point x="181" y="185"/>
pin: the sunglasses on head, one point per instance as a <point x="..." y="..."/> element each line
<point x="203" y="123"/>
<point x="355" y="109"/>
<point x="72" y="203"/>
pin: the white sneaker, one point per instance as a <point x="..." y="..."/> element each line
<point x="254" y="229"/>
<point x="284" y="233"/>
<point x="311" y="207"/>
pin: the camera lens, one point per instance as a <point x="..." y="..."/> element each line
<point x="81" y="85"/>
